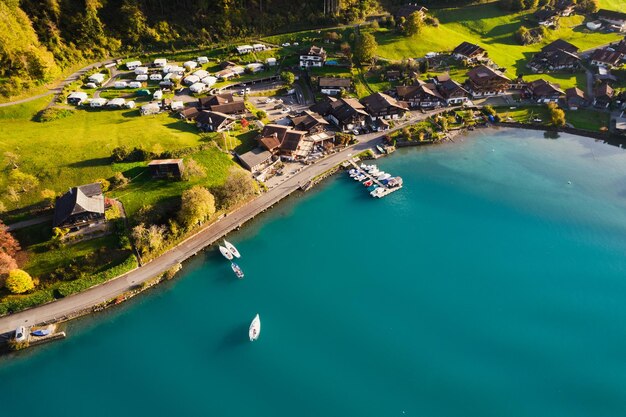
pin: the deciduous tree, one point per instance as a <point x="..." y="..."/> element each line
<point x="288" y="77"/>
<point x="413" y="24"/>
<point x="366" y="46"/>
<point x="197" y="206"/>
<point x="8" y="244"/>
<point x="23" y="181"/>
<point x="148" y="239"/>
<point x="7" y="264"/>
<point x="238" y="187"/>
<point x="18" y="282"/>
<point x="557" y="116"/>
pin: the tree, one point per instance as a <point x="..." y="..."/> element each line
<point x="119" y="180"/>
<point x="238" y="187"/>
<point x="197" y="206"/>
<point x="193" y="170"/>
<point x="106" y="184"/>
<point x="7" y="264"/>
<point x="260" y="114"/>
<point x="557" y="116"/>
<point x="8" y="244"/>
<point x="120" y="153"/>
<point x="366" y="46"/>
<point x="18" y="282"/>
<point x="288" y="77"/>
<point x="23" y="181"/>
<point x="588" y="6"/>
<point x="148" y="239"/>
<point x="413" y="24"/>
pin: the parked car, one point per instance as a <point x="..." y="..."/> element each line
<point x="355" y="132"/>
<point x="286" y="44"/>
<point x="269" y="100"/>
<point x="20" y="334"/>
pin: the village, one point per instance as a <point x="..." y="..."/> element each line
<point x="278" y="106"/>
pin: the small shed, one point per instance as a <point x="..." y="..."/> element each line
<point x="166" y="168"/>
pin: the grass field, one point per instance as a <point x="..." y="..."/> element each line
<point x="76" y="150"/>
<point x="492" y="28"/>
<point x="586" y="119"/>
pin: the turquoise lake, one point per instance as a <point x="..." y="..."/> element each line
<point x="493" y="284"/>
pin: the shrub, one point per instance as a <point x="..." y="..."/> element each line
<point x="119" y="180"/>
<point x="54" y="113"/>
<point x="106" y="184"/>
<point x="18" y="282"/>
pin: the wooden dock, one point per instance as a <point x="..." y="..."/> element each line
<point x="386" y="190"/>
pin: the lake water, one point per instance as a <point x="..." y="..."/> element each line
<point x="492" y="284"/>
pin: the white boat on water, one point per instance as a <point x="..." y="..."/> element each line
<point x="227" y="254"/>
<point x="255" y="328"/>
<point x="384" y="177"/>
<point x="237" y="270"/>
<point x="232" y="249"/>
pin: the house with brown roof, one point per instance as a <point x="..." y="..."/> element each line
<point x="189" y="113"/>
<point x="213" y="121"/>
<point x="543" y="91"/>
<point x="383" y="106"/>
<point x="605" y="58"/>
<point x="560" y="45"/>
<point x="484" y="81"/>
<point x="602" y="96"/>
<point x="80" y="207"/>
<point x="310" y="122"/>
<point x="405" y="11"/>
<point x="223" y="103"/>
<point x="452" y="92"/>
<point x="575" y="98"/>
<point x="556" y="56"/>
<point x="616" y="19"/>
<point x="282" y="139"/>
<point x="565" y="7"/>
<point x="345" y="113"/>
<point x="166" y="168"/>
<point x="469" y="51"/>
<point x="257" y="160"/>
<point x="547" y="16"/>
<point x="420" y="95"/>
<point x="334" y="85"/>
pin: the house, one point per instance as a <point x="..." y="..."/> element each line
<point x="255" y="67"/>
<point x="150" y="108"/>
<point x="97" y="78"/>
<point x="270" y="143"/>
<point x="605" y="58"/>
<point x="543" y="91"/>
<point x="614" y="18"/>
<point x="313" y="57"/>
<point x="333" y="85"/>
<point x="198" y="88"/>
<point x="556" y="56"/>
<point x="420" y="95"/>
<point x="244" y="49"/>
<point x="223" y="103"/>
<point x="575" y="98"/>
<point x="393" y="75"/>
<point x="620" y="47"/>
<point x="177" y="105"/>
<point x="271" y="62"/>
<point x="160" y="62"/>
<point x="212" y="121"/>
<point x="141" y="71"/>
<point x="258" y="47"/>
<point x="166" y="168"/>
<point x="80" y="207"/>
<point x="116" y="103"/>
<point x="452" y="92"/>
<point x="383" y="106"/>
<point x="256" y="160"/>
<point x="201" y="73"/>
<point x="469" y="51"/>
<point x="190" y="65"/>
<point x="408" y="9"/>
<point x="309" y="122"/>
<point x="603" y="95"/>
<point x="604" y="74"/>
<point x="131" y="65"/>
<point x="547" y="17"/>
<point x="97" y="102"/>
<point x="345" y="113"/>
<point x="292" y="142"/>
<point x="560" y="45"/>
<point x="77" y="98"/>
<point x="565" y="7"/>
<point x="189" y="113"/>
<point x="484" y="81"/>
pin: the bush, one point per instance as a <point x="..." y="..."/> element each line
<point x="119" y="180"/>
<point x="54" y="113"/>
<point x="19" y="282"/>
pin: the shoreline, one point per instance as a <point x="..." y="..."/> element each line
<point x="136" y="281"/>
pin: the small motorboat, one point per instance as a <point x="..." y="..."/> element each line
<point x="227" y="254"/>
<point x="384" y="176"/>
<point x="255" y="328"/>
<point x="237" y="270"/>
<point x="41" y="332"/>
<point x="353" y="172"/>
<point x="368" y="183"/>
<point x="232" y="249"/>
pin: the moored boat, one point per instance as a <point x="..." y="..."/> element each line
<point x="237" y="270"/>
<point x="384" y="177"/>
<point x="368" y="183"/>
<point x="41" y="332"/>
<point x="232" y="249"/>
<point x="227" y="254"/>
<point x="255" y="328"/>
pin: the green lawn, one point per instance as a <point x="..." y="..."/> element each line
<point x="76" y="150"/>
<point x="523" y="114"/>
<point x="587" y="119"/>
<point x="493" y="28"/>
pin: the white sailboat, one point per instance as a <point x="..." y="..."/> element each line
<point x="227" y="254"/>
<point x="255" y="328"/>
<point x="232" y="249"/>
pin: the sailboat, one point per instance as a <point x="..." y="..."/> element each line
<point x="232" y="249"/>
<point x="227" y="254"/>
<point x="255" y="328"/>
<point x="237" y="270"/>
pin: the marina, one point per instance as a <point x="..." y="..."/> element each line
<point x="379" y="184"/>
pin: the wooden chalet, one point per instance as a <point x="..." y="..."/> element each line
<point x="213" y="121"/>
<point x="420" y="95"/>
<point x="80" y="207"/>
<point x="543" y="91"/>
<point x="383" y="106"/>
<point x="345" y="113"/>
<point x="484" y="81"/>
<point x="575" y="98"/>
<point x="469" y="51"/>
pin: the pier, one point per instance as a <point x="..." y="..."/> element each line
<point x="385" y="189"/>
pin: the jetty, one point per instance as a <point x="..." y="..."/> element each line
<point x="384" y="188"/>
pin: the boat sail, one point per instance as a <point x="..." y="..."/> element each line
<point x="255" y="328"/>
<point x="232" y="249"/>
<point x="227" y="254"/>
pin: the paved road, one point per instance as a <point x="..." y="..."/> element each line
<point x="29" y="222"/>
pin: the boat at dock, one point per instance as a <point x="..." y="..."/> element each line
<point x="227" y="254"/>
<point x="237" y="270"/>
<point x="41" y="332"/>
<point x="255" y="328"/>
<point x="384" y="177"/>
<point x="381" y="149"/>
<point x="232" y="249"/>
<point x="368" y="183"/>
